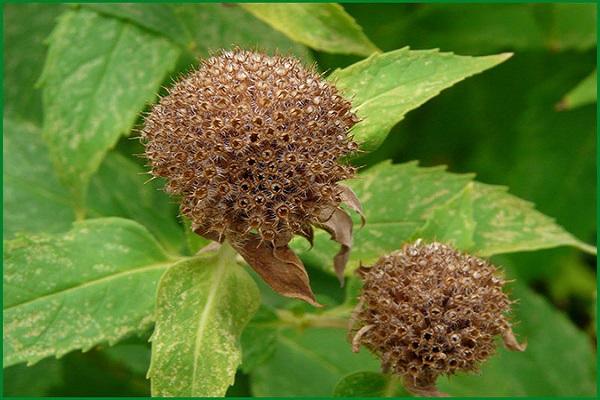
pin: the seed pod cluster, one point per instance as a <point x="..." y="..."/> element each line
<point x="429" y="310"/>
<point x="251" y="143"/>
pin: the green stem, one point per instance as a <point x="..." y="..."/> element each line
<point x="335" y="318"/>
<point x="79" y="213"/>
<point x="392" y="386"/>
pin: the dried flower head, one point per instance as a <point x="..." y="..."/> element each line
<point x="251" y="143"/>
<point x="429" y="310"/>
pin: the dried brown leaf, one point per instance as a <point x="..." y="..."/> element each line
<point x="339" y="226"/>
<point x="279" y="267"/>
<point x="358" y="336"/>
<point x="275" y="262"/>
<point x="510" y="341"/>
<point x="349" y="198"/>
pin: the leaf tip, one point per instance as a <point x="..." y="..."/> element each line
<point x="588" y="248"/>
<point x="562" y="105"/>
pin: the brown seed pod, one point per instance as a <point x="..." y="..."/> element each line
<point x="250" y="143"/>
<point x="429" y="310"/>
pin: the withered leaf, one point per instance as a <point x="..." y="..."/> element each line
<point x="275" y="262"/>
<point x="510" y="341"/>
<point x="279" y="267"/>
<point x="339" y="226"/>
<point x="358" y="336"/>
<point x="349" y="198"/>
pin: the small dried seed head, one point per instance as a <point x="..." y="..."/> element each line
<point x="430" y="310"/>
<point x="251" y="143"/>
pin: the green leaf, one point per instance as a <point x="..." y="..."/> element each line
<point x="26" y="27"/>
<point x="478" y="29"/>
<point x="572" y="26"/>
<point x="202" y="307"/>
<point x="258" y="339"/>
<point x="384" y="87"/>
<point x="121" y="189"/>
<point x="559" y="359"/>
<point x="95" y="374"/>
<point x="325" y="27"/>
<point x="308" y="362"/>
<point x="369" y="384"/>
<point x="36" y="202"/>
<point x="99" y="74"/>
<point x="404" y="201"/>
<point x="453" y="221"/>
<point x="582" y="94"/>
<point x="93" y="284"/>
<point x="134" y="356"/>
<point x="32" y="381"/>
<point x="161" y="19"/>
<point x="496" y="222"/>
<point x="204" y="28"/>
<point x="573" y="277"/>
<point x="543" y="156"/>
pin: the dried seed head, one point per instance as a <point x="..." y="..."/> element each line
<point x="431" y="310"/>
<point x="251" y="143"/>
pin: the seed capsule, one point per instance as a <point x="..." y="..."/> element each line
<point x="407" y="291"/>
<point x="244" y="116"/>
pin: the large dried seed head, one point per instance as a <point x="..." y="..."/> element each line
<point x="430" y="310"/>
<point x="252" y="144"/>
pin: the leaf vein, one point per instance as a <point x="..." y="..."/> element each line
<point x="95" y="282"/>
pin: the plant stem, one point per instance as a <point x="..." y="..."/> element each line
<point x="392" y="386"/>
<point x="332" y="319"/>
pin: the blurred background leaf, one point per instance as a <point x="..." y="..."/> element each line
<point x="36" y="202"/>
<point x="369" y="384"/>
<point x="134" y="356"/>
<point x="32" y="381"/>
<point x="582" y="94"/>
<point x="114" y="371"/>
<point x="24" y="55"/>
<point x="308" y="362"/>
<point x="324" y="26"/>
<point x="201" y="29"/>
<point x="479" y="29"/>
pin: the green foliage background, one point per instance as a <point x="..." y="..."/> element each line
<point x="76" y="80"/>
